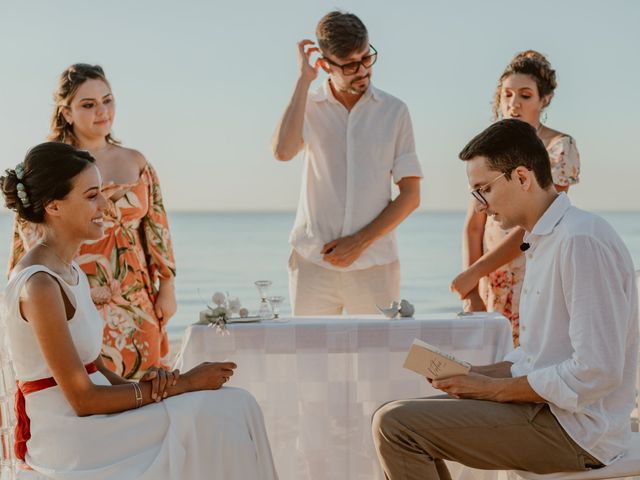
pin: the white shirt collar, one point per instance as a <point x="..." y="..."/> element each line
<point x="324" y="93"/>
<point x="551" y="217"/>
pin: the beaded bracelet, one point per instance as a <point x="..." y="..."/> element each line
<point x="138" y="393"/>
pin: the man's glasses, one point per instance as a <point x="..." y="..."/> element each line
<point x="477" y="192"/>
<point x="352" y="67"/>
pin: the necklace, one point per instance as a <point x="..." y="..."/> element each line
<point x="539" y="129"/>
<point x="64" y="262"/>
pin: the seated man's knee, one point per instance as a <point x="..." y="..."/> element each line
<point x="388" y="418"/>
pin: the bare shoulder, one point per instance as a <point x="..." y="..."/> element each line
<point x="42" y="300"/>
<point x="30" y="259"/>
<point x="549" y="136"/>
<point x="41" y="286"/>
<point x="132" y="155"/>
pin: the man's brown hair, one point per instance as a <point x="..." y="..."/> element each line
<point x="341" y="33"/>
<point x="508" y="144"/>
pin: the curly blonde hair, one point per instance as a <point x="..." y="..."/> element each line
<point x="534" y="64"/>
<point x="70" y="80"/>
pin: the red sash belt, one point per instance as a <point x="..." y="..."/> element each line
<point x="23" y="431"/>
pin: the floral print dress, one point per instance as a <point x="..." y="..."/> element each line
<point x="123" y="269"/>
<point x="500" y="290"/>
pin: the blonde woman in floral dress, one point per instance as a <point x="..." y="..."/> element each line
<point x="493" y="262"/>
<point x="131" y="268"/>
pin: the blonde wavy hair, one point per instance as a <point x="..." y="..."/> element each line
<point x="534" y="64"/>
<point x="70" y="80"/>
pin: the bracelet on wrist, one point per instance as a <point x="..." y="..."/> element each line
<point x="138" y="393"/>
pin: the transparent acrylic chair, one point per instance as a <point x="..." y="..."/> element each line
<point x="10" y="467"/>
<point x="8" y="462"/>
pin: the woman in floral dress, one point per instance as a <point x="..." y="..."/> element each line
<point x="493" y="262"/>
<point x="131" y="268"/>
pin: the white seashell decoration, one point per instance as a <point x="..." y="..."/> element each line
<point x="391" y="312"/>
<point x="404" y="309"/>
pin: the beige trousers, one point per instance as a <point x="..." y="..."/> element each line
<point x="314" y="290"/>
<point x="413" y="437"/>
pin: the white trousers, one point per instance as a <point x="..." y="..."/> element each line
<point x="315" y="290"/>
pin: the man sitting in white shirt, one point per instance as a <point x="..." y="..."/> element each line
<point x="357" y="140"/>
<point x="562" y="400"/>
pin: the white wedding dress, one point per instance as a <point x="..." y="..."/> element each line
<point x="200" y="435"/>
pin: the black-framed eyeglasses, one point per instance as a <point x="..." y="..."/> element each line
<point x="477" y="192"/>
<point x="352" y="67"/>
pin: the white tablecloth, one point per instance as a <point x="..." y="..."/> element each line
<point x="319" y="380"/>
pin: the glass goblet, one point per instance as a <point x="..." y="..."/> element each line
<point x="276" y="302"/>
<point x="263" y="288"/>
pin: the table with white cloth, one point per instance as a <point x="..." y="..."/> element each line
<point x="320" y="379"/>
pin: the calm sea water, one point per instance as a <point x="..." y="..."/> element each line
<point x="229" y="251"/>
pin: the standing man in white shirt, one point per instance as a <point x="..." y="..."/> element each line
<point x="357" y="139"/>
<point x="562" y="400"/>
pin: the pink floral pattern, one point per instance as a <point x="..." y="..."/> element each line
<point x="500" y="290"/>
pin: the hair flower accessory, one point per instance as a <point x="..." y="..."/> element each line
<point x="19" y="171"/>
<point x="22" y="192"/>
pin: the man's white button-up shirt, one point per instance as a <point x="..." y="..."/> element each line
<point x="579" y="335"/>
<point x="350" y="161"/>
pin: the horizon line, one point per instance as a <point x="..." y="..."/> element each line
<point x="5" y="211"/>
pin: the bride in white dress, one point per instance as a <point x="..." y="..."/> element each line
<point x="98" y="425"/>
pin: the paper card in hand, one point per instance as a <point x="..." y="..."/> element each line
<point x="430" y="362"/>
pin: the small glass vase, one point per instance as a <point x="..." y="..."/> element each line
<point x="264" y="312"/>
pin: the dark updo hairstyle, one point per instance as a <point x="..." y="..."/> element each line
<point x="535" y="65"/>
<point x="70" y="80"/>
<point x="47" y="172"/>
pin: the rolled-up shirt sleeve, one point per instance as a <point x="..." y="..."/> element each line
<point x="598" y="311"/>
<point x="405" y="162"/>
<point x="514" y="357"/>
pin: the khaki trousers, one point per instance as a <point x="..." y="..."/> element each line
<point x="315" y="290"/>
<point x="413" y="437"/>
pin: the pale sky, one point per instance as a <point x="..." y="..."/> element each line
<point x="200" y="85"/>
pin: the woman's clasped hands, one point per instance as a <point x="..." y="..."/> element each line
<point x="161" y="379"/>
<point x="206" y="376"/>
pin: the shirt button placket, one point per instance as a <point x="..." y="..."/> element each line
<point x="348" y="206"/>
